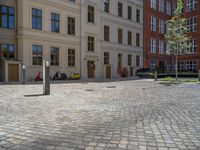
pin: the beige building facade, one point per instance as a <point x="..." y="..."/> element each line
<point x="95" y="38"/>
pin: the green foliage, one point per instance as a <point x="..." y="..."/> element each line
<point x="166" y="79"/>
<point x="177" y="38"/>
<point x="170" y="79"/>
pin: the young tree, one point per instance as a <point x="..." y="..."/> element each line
<point x="177" y="37"/>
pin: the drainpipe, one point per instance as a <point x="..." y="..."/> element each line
<point x="16" y="29"/>
<point x="101" y="42"/>
<point x="80" y="40"/>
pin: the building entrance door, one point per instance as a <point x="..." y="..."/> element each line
<point x="108" y="72"/>
<point x="131" y="71"/>
<point x="91" y="69"/>
<point x="162" y="65"/>
<point x="13" y="72"/>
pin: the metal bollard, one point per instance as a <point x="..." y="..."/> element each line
<point x="46" y="77"/>
<point x="156" y="76"/>
<point x="199" y="75"/>
<point x="23" y="74"/>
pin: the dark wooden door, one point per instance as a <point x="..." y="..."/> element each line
<point x="108" y="72"/>
<point x="13" y="72"/>
<point x="91" y="69"/>
<point x="131" y="71"/>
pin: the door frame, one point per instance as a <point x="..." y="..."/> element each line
<point x="6" y="63"/>
<point x="92" y="67"/>
<point x="110" y="71"/>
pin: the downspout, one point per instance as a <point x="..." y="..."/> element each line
<point x="101" y="52"/>
<point x="143" y="30"/>
<point x="80" y="40"/>
<point x="16" y="29"/>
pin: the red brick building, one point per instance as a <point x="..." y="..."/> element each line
<point x="156" y="15"/>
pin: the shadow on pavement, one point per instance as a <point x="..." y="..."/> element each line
<point x="34" y="95"/>
<point x="169" y="84"/>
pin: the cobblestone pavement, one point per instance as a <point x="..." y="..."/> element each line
<point x="133" y="115"/>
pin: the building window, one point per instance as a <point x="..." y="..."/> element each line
<point x="106" y="58"/>
<point x="36" y="19"/>
<point x="129" y="38"/>
<point x="54" y="56"/>
<point x="153" y="64"/>
<point x="71" y="26"/>
<point x="90" y="14"/>
<point x="153" y="4"/>
<point x="161" y="6"/>
<point x="180" y="66"/>
<point x="129" y="12"/>
<point x="37" y="54"/>
<point x="168" y="47"/>
<point x="71" y="57"/>
<point x="106" y="33"/>
<point x="7" y="17"/>
<point x="191" y="5"/>
<point x="129" y="60"/>
<point x="7" y="51"/>
<point x="137" y="39"/>
<point x="153" y="45"/>
<point x="168" y="8"/>
<point x="120" y="9"/>
<point x="161" y="26"/>
<point x="91" y="43"/>
<point x="153" y="23"/>
<point x="167" y="28"/>
<point x="55" y="22"/>
<point x="161" y="47"/>
<point x="191" y="65"/>
<point x="120" y="36"/>
<point x="137" y="60"/>
<point x="138" y="15"/>
<point x="72" y="0"/>
<point x="193" y="48"/>
<point x="192" y="24"/>
<point x="107" y="6"/>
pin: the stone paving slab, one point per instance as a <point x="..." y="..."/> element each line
<point x="131" y="115"/>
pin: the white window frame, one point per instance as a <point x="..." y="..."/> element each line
<point x="153" y="45"/>
<point x="161" y="6"/>
<point x="153" y="4"/>
<point x="161" y="26"/>
<point x="161" y="47"/>
<point x="191" y="5"/>
<point x="192" y="24"/>
<point x="153" y="23"/>
<point x="193" y="48"/>
<point x="168" y="8"/>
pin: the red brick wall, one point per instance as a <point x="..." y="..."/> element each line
<point x="147" y="35"/>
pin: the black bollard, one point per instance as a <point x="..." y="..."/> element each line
<point x="23" y="74"/>
<point x="199" y="75"/>
<point x="156" y="76"/>
<point x="46" y="77"/>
